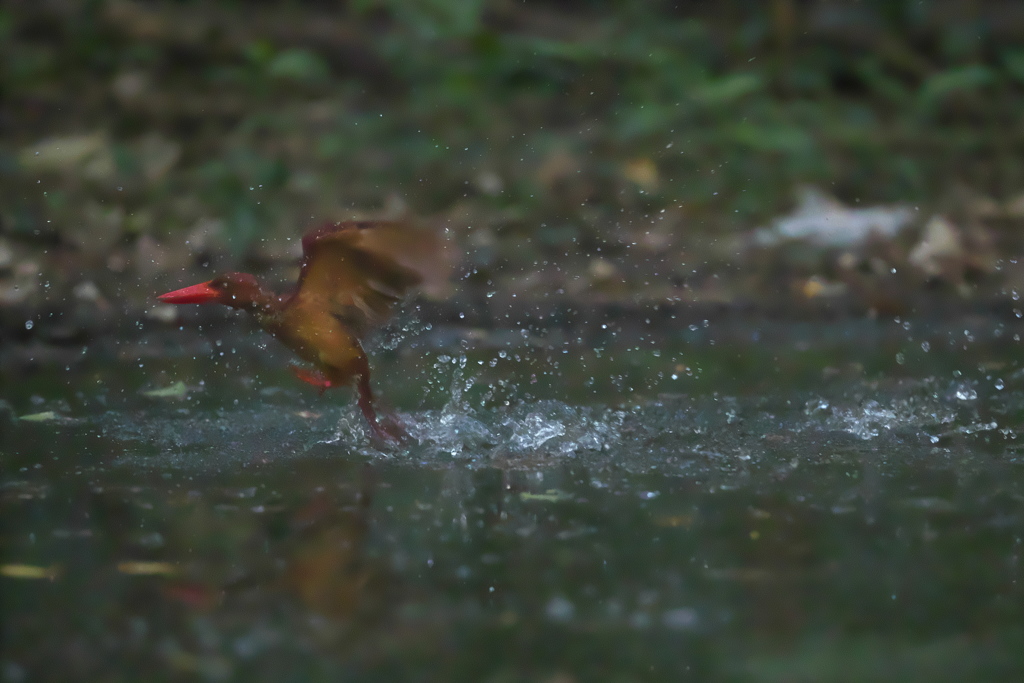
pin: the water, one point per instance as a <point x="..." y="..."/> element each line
<point x="835" y="504"/>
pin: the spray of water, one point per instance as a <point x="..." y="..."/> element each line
<point x="470" y="429"/>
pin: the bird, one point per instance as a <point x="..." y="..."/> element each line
<point x="351" y="276"/>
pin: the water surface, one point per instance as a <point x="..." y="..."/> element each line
<point x="746" y="503"/>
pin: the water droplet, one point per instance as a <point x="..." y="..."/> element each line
<point x="560" y="609"/>
<point x="966" y="394"/>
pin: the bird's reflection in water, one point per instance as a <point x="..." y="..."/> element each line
<point x="302" y="558"/>
<point x="327" y="567"/>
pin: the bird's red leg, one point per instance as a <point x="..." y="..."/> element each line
<point x="314" y="377"/>
<point x="366" y="403"/>
<point x="390" y="430"/>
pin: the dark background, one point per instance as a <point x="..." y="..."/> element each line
<point x="590" y="156"/>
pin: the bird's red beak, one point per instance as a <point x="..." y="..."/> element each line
<point x="196" y="294"/>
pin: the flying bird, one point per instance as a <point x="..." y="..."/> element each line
<point x="352" y="275"/>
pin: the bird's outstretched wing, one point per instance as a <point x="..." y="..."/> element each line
<point x="358" y="270"/>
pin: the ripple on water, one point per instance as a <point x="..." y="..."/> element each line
<point x="918" y="408"/>
<point x="704" y="435"/>
<point x="541" y="428"/>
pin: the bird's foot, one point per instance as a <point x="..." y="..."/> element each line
<point x="389" y="429"/>
<point x="314" y="377"/>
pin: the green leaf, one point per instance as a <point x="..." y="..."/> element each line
<point x="1014" y="60"/>
<point x="6" y="24"/>
<point x="176" y="390"/>
<point x="728" y="89"/>
<point x="549" y="496"/>
<point x="773" y="138"/>
<point x="298" y="65"/>
<point x="955" y="80"/>
<point x="47" y="416"/>
<point x="259" y="52"/>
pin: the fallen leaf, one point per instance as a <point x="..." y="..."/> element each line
<point x="39" y="417"/>
<point x="147" y="568"/>
<point x="158" y="156"/>
<point x="673" y="521"/>
<point x="815" y="286"/>
<point x="176" y="390"/>
<point x="643" y="172"/>
<point x="57" y="153"/>
<point x="550" y="496"/>
<point x="29" y="571"/>
<point x="822" y="220"/>
<point x="940" y="249"/>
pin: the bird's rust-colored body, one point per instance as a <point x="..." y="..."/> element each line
<point x="352" y="275"/>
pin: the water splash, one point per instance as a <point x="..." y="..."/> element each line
<point x="524" y="430"/>
<point x="917" y="408"/>
<point x="468" y="432"/>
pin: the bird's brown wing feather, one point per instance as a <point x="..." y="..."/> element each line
<point x="358" y="270"/>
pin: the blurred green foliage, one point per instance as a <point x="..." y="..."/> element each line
<point x="537" y="111"/>
<point x="235" y="187"/>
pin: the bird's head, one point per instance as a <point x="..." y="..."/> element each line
<point x="238" y="290"/>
